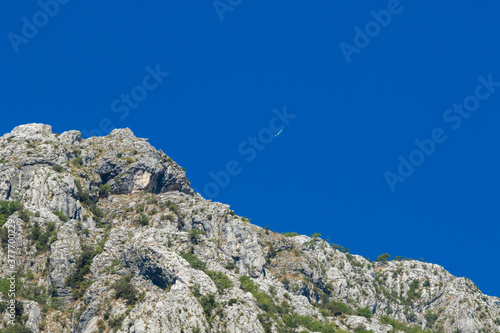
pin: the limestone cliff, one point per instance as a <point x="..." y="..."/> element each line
<point x="113" y="238"/>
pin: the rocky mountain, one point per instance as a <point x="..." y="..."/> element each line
<point x="106" y="235"/>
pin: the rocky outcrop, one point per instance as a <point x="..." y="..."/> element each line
<point x="114" y="239"/>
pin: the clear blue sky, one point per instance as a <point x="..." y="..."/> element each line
<point x="325" y="172"/>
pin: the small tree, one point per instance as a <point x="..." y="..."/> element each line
<point x="125" y="290"/>
<point x="383" y="257"/>
<point x="104" y="189"/>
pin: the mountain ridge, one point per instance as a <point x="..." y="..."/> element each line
<point x="115" y="239"/>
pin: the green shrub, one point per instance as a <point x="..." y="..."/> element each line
<point x="337" y="308"/>
<point x="208" y="303"/>
<point x="286" y="282"/>
<point x="290" y="234"/>
<point x="76" y="280"/>
<point x="168" y="217"/>
<point x="17" y="328"/>
<point x="310" y="323"/>
<point x="57" y="168"/>
<point x="43" y="241"/>
<point x="60" y="215"/>
<point x="104" y="189"/>
<point x="412" y="294"/>
<point x="56" y="303"/>
<point x="87" y="202"/>
<point x="230" y="266"/>
<point x="25" y="215"/>
<point x="364" y="312"/>
<point x="100" y="325"/>
<point x="7" y="208"/>
<point x="4" y="239"/>
<point x="77" y="162"/>
<point x="172" y="207"/>
<point x="266" y="322"/>
<point x="34" y="292"/>
<point x="194" y="261"/>
<point x="18" y="311"/>
<point x="263" y="300"/>
<point x="125" y="290"/>
<point x="431" y="318"/>
<point x="248" y="285"/>
<point x="194" y="235"/>
<point x="220" y="279"/>
<point x="35" y="232"/>
<point x="143" y="219"/>
<point x="117" y="321"/>
<point x="284" y="308"/>
<point x="398" y="326"/>
<point x="5" y="286"/>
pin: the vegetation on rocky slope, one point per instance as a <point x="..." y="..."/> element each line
<point x="114" y="239"/>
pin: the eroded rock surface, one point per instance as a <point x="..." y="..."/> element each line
<point x="114" y="238"/>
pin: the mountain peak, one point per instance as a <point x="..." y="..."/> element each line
<point x="32" y="128"/>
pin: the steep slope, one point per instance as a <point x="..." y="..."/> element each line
<point x="112" y="238"/>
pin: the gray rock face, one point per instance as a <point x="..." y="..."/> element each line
<point x="34" y="316"/>
<point x="63" y="254"/>
<point x="147" y="254"/>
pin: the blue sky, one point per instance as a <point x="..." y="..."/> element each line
<point x="94" y="66"/>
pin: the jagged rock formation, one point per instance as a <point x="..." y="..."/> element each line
<point x="114" y="239"/>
